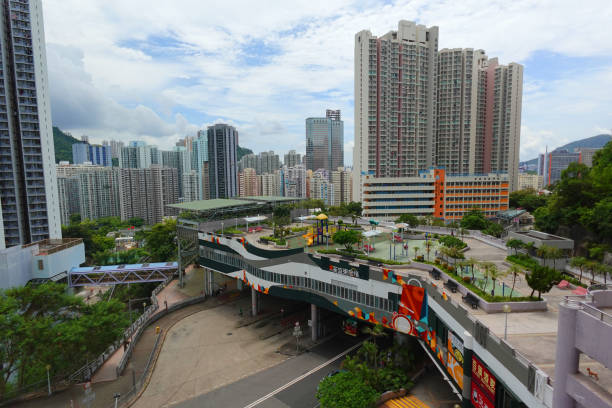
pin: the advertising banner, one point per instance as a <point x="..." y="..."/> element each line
<point x="479" y="398"/>
<point x="483" y="378"/>
<point x="454" y="362"/>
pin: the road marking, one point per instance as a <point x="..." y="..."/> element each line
<point x="301" y="377"/>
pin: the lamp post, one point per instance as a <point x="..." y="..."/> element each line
<point x="116" y="397"/>
<point x="506" y="310"/>
<point x="48" y="367"/>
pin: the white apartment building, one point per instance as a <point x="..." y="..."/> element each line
<point x="529" y="181"/>
<point x="321" y="188"/>
<point x="269" y="184"/>
<point x="91" y="191"/>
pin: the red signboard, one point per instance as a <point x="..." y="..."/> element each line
<point x="479" y="398"/>
<point x="483" y="378"/>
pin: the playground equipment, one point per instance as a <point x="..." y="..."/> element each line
<point x="321" y="232"/>
<point x="309" y="238"/>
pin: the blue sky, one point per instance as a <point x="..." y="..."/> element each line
<point x="157" y="71"/>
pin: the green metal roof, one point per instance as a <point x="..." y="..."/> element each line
<point x="272" y="199"/>
<point x="208" y="205"/>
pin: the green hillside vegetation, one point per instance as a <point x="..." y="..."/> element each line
<point x="580" y="206"/>
<point x="592" y="142"/>
<point x="243" y="151"/>
<point x="62" y="142"/>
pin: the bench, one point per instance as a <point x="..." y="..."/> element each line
<point x="435" y="273"/>
<point x="471" y="300"/>
<point x="451" y="285"/>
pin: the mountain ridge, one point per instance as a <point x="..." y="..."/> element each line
<point x="596" y="141"/>
<point x="63" y="141"/>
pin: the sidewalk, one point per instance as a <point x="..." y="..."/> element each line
<point x="108" y="371"/>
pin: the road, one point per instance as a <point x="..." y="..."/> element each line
<point x="292" y="383"/>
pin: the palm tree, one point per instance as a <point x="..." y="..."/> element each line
<point x="376" y="332"/>
<point x="416" y="249"/>
<point x="462" y="232"/>
<point x="486" y="266"/>
<point x="495" y="273"/>
<point x="579" y="262"/>
<point x="602" y="269"/>
<point x="544" y="252"/>
<point x="428" y="248"/>
<point x="472" y="262"/>
<point x="515" y="270"/>
<point x="555" y="253"/>
<point x="592" y="266"/>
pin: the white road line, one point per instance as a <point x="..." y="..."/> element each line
<point x="301" y="377"/>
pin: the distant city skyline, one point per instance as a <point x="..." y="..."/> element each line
<point x="118" y="73"/>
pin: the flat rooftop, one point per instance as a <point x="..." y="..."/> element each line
<point x="272" y="199"/>
<point x="208" y="205"/>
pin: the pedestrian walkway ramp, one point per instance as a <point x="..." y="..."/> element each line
<point x="121" y="274"/>
<point x="409" y="401"/>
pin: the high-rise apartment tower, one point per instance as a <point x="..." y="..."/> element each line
<point x="222" y="163"/>
<point x="28" y="186"/>
<point x="325" y="142"/>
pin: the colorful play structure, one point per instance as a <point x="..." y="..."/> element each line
<point x="321" y="232"/>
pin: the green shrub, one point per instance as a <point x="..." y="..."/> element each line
<point x="452" y="242"/>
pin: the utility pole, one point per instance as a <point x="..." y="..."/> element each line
<point x="180" y="269"/>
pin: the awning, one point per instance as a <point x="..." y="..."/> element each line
<point x="255" y="219"/>
<point x="371" y="233"/>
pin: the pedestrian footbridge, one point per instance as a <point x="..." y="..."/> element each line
<point x="121" y="274"/>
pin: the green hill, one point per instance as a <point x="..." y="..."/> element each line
<point x="63" y="141"/>
<point x="591" y="142"/>
<point x="243" y="151"/>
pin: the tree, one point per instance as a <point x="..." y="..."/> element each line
<point x="544" y="252"/>
<point x="348" y="238"/>
<point x="136" y="222"/>
<point x="554" y="254"/>
<point x="428" y="247"/>
<point x="603" y="270"/>
<point x="75" y="218"/>
<point x="355" y="210"/>
<point x="486" y="267"/>
<point x="416" y="249"/>
<point x="514" y="270"/>
<point x="43" y="325"/>
<point x="409" y="219"/>
<point x="592" y="267"/>
<point x="160" y="241"/>
<point x="580" y="263"/>
<point x="345" y="390"/>
<point x="542" y="279"/>
<point x="472" y="262"/>
<point x="495" y="273"/>
<point x="528" y="199"/>
<point x="514" y="244"/>
<point x="474" y="220"/>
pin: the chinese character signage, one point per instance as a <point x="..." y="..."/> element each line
<point x="479" y="398"/>
<point x="483" y="378"/>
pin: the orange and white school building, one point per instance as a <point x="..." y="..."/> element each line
<point x="435" y="193"/>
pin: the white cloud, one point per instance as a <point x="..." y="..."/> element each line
<point x="126" y="68"/>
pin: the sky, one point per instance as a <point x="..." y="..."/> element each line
<point x="161" y="70"/>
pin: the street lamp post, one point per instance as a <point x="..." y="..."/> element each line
<point x="48" y="379"/>
<point x="506" y="310"/>
<point x="116" y="397"/>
